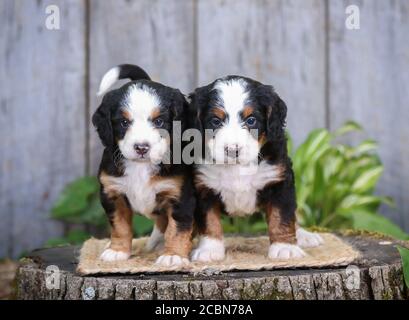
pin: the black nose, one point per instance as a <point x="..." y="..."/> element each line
<point x="141" y="148"/>
<point x="232" y="151"/>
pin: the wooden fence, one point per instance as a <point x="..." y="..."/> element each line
<point x="325" y="72"/>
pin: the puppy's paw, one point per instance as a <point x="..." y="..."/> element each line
<point x="306" y="239"/>
<point x="171" y="261"/>
<point x="285" y="251"/>
<point x="113" y="255"/>
<point x="209" y="250"/>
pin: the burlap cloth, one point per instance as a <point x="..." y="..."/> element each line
<point x="242" y="253"/>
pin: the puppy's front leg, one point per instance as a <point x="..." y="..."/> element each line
<point x="211" y="245"/>
<point x="120" y="217"/>
<point x="282" y="234"/>
<point x="178" y="241"/>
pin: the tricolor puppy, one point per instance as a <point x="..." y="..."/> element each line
<point x="134" y="124"/>
<point x="245" y="168"/>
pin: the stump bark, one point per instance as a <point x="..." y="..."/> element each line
<point x="377" y="274"/>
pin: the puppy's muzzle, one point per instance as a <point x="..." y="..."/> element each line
<point x="141" y="148"/>
<point x="232" y="151"/>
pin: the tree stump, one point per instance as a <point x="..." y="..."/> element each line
<point x="376" y="275"/>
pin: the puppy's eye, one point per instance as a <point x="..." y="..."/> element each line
<point x="158" y="123"/>
<point x="125" y="123"/>
<point x="216" y="122"/>
<point x="251" y="121"/>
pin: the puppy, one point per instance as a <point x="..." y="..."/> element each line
<point x="245" y="167"/>
<point x="134" y="124"/>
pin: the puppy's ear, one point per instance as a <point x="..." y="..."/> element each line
<point x="198" y="101"/>
<point x="179" y="106"/>
<point x="275" y="111"/>
<point x="101" y="120"/>
<point x="194" y="113"/>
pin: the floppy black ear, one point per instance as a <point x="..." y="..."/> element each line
<point x="194" y="113"/>
<point x="276" y="112"/>
<point x="199" y="101"/>
<point x="179" y="106"/>
<point x="101" y="120"/>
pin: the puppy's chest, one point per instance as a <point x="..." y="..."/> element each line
<point x="237" y="185"/>
<point x="141" y="186"/>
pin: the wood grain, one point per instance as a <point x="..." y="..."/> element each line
<point x="369" y="83"/>
<point x="42" y="129"/>
<point x="156" y="35"/>
<point x="276" y="42"/>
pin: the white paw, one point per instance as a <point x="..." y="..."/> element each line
<point x="155" y="241"/>
<point x="306" y="239"/>
<point x="285" y="251"/>
<point x="209" y="250"/>
<point x="171" y="261"/>
<point x="113" y="255"/>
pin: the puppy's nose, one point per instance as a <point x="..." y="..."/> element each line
<point x="141" y="148"/>
<point x="232" y="151"/>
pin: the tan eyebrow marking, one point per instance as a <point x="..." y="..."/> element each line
<point x="155" y="113"/>
<point x="218" y="112"/>
<point x="247" y="111"/>
<point x="126" y="114"/>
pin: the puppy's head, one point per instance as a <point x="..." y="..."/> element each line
<point x="137" y="119"/>
<point x="243" y="115"/>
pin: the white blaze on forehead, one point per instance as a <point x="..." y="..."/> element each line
<point x="141" y="101"/>
<point x="233" y="96"/>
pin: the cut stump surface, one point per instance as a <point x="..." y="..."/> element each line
<point x="377" y="274"/>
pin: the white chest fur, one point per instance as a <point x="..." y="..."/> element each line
<point x="137" y="185"/>
<point x="238" y="185"/>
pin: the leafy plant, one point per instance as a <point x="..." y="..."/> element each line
<point x="335" y="185"/>
<point x="79" y="204"/>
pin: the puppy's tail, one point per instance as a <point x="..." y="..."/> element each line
<point x="123" y="71"/>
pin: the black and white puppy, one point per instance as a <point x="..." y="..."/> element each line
<point x="245" y="168"/>
<point x="134" y="124"/>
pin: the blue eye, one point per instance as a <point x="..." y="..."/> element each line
<point x="125" y="123"/>
<point x="216" y="122"/>
<point x="158" y="123"/>
<point x="251" y="121"/>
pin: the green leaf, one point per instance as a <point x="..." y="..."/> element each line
<point x="347" y="127"/>
<point x="367" y="180"/>
<point x="365" y="147"/>
<point x="377" y="223"/>
<point x="94" y="214"/>
<point x="77" y="236"/>
<point x="141" y="225"/>
<point x="73" y="237"/>
<point x="404" y="254"/>
<point x="74" y="197"/>
<point x="56" y="242"/>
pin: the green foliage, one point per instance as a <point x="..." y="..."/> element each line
<point x="335" y="185"/>
<point x="79" y="203"/>
<point x="404" y="253"/>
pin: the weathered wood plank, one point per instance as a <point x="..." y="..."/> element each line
<point x="277" y="42"/>
<point x="369" y="83"/>
<point x="42" y="129"/>
<point x="156" y="35"/>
